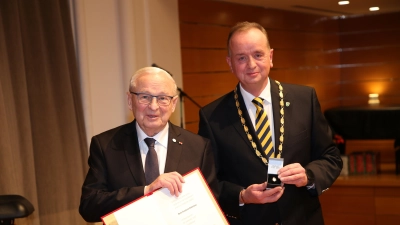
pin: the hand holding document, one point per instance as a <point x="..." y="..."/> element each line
<point x="195" y="205"/>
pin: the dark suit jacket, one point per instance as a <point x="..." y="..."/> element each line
<point x="307" y="140"/>
<point x="116" y="176"/>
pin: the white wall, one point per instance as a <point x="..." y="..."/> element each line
<point x="114" y="38"/>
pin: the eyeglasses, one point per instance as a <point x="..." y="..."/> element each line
<point x="144" y="98"/>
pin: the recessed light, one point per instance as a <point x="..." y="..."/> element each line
<point x="343" y="2"/>
<point x="373" y="8"/>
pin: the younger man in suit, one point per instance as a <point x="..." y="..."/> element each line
<point x="120" y="169"/>
<point x="298" y="133"/>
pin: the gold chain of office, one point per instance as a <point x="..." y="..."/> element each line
<point x="246" y="129"/>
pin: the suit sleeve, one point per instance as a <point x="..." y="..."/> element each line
<point x="208" y="169"/>
<point x="228" y="192"/>
<point x="326" y="162"/>
<point x="98" y="199"/>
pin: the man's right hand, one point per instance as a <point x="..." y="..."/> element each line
<point x="173" y="181"/>
<point x="257" y="194"/>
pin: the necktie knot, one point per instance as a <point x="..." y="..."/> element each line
<point x="150" y="142"/>
<point x="258" y="102"/>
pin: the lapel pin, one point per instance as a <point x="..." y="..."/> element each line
<point x="173" y="140"/>
<point x="287" y="104"/>
<point x="180" y="143"/>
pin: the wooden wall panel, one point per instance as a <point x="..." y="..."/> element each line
<point x="348" y="219"/>
<point x="210" y="83"/>
<point x="375" y="37"/>
<point x="300" y="40"/>
<point x="379" y="22"/>
<point x="198" y="35"/>
<point x="304" y="59"/>
<point x="356" y="93"/>
<point x="378" y="72"/>
<point x="349" y="203"/>
<point x="371" y="55"/>
<point x="370" y="58"/>
<point x="387" y="205"/>
<point x="203" y="60"/>
<point x="306" y="76"/>
<point x="387" y="220"/>
<point x="228" y="14"/>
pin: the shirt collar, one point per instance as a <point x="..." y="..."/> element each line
<point x="161" y="137"/>
<point x="265" y="94"/>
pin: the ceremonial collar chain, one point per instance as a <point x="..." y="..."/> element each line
<point x="246" y="129"/>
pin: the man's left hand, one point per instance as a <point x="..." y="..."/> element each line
<point x="293" y="174"/>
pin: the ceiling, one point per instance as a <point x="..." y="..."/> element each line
<point x="325" y="7"/>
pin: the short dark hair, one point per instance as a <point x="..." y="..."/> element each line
<point x="243" y="26"/>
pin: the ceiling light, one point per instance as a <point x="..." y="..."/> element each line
<point x="343" y="2"/>
<point x="373" y="8"/>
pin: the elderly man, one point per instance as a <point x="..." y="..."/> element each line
<point x="134" y="159"/>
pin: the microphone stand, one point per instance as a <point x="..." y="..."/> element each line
<point x="182" y="95"/>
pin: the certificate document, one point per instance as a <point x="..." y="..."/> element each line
<point x="195" y="205"/>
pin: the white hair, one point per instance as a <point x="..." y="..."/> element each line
<point x="150" y="70"/>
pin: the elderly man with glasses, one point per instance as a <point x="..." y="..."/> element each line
<point x="134" y="159"/>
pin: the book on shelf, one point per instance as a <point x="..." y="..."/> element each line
<point x="363" y="163"/>
<point x="345" y="169"/>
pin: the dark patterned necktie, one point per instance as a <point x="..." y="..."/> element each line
<point x="151" y="165"/>
<point x="262" y="128"/>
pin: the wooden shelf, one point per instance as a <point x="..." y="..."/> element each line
<point x="379" y="180"/>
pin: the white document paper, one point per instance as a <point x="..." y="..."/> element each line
<point x="195" y="205"/>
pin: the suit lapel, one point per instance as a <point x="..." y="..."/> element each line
<point x="174" y="149"/>
<point x="132" y="153"/>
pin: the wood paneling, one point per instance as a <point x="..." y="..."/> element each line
<point x="300" y="40"/>
<point x="228" y="14"/>
<point x="198" y="35"/>
<point x="356" y="93"/>
<point x="216" y="83"/>
<point x="349" y="219"/>
<point x="370" y="58"/>
<point x="378" y="22"/>
<point x="380" y="71"/>
<point x="307" y="76"/>
<point x="362" y="200"/>
<point x="387" y="205"/>
<point x="203" y="60"/>
<point x="371" y="55"/>
<point x="387" y="220"/>
<point x="376" y="37"/>
<point x="303" y="59"/>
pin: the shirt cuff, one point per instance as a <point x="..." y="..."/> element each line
<point x="311" y="187"/>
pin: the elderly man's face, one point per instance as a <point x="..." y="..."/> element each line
<point x="152" y="117"/>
